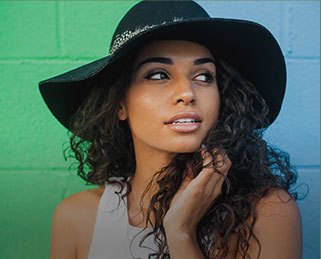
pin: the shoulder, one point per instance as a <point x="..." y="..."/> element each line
<point x="277" y="226"/>
<point x="84" y="201"/>
<point x="277" y="201"/>
<point x="73" y="223"/>
<point x="82" y="198"/>
<point x="277" y="206"/>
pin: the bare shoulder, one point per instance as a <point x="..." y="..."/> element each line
<point x="79" y="210"/>
<point x="277" y="227"/>
<point x="82" y="200"/>
<point x="73" y="224"/>
<point x="77" y="206"/>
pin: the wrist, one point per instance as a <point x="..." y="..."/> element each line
<point x="183" y="244"/>
<point x="180" y="234"/>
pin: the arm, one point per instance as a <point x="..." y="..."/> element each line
<point x="63" y="243"/>
<point x="278" y="228"/>
<point x="183" y="245"/>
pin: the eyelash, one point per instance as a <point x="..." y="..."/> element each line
<point x="209" y="75"/>
<point x="151" y="74"/>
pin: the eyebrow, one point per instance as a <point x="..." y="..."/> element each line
<point x="162" y="60"/>
<point x="201" y="61"/>
<point x="168" y="61"/>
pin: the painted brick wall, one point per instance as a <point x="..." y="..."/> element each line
<point x="296" y="25"/>
<point x="39" y="39"/>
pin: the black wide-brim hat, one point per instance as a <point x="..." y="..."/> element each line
<point x="247" y="46"/>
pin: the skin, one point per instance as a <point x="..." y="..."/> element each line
<point x="158" y="91"/>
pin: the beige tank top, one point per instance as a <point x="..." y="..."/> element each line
<point x="113" y="236"/>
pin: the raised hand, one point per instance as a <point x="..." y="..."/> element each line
<point x="196" y="195"/>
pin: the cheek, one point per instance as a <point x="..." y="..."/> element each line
<point x="212" y="106"/>
<point x="216" y="107"/>
<point x="142" y="110"/>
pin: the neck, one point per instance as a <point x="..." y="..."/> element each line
<point x="146" y="167"/>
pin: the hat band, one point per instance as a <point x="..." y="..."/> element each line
<point x="121" y="39"/>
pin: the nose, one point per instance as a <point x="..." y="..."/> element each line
<point x="183" y="93"/>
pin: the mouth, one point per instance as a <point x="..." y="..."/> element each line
<point x="184" y="122"/>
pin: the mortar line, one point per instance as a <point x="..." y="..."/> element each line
<point x="46" y="60"/>
<point x="57" y="27"/>
<point x="282" y="27"/>
<point x="61" y="12"/>
<point x="71" y="171"/>
<point x="89" y="59"/>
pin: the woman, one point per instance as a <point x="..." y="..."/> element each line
<point x="172" y="132"/>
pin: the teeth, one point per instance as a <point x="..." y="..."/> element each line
<point x="184" y="121"/>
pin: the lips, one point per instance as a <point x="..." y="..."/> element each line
<point x="184" y="122"/>
<point x="184" y="118"/>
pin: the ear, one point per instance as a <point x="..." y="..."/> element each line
<point x="122" y="113"/>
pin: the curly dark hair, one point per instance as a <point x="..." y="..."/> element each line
<point x="103" y="148"/>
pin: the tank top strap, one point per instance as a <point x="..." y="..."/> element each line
<point x="108" y="239"/>
<point x="111" y="201"/>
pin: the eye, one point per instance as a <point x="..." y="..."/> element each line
<point x="207" y="77"/>
<point x="157" y="76"/>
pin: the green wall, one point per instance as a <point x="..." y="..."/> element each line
<point x="40" y="39"/>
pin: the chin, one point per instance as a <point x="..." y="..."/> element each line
<point x="187" y="147"/>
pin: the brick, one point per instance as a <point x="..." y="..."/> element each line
<point x="28" y="200"/>
<point x="297" y="129"/>
<point x="88" y="26"/>
<point x="28" y="29"/>
<point x="303" y="28"/>
<point x="30" y="136"/>
<point x="267" y="13"/>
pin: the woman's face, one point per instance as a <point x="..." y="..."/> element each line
<point x="173" y="98"/>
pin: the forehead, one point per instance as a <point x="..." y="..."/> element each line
<point x="173" y="48"/>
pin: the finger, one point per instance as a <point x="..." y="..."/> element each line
<point x="208" y="175"/>
<point x="216" y="160"/>
<point x="215" y="188"/>
<point x="208" y="172"/>
<point x="186" y="181"/>
<point x="222" y="165"/>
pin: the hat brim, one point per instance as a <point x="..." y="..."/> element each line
<point x="247" y="46"/>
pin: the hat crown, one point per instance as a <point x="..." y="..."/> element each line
<point x="148" y="14"/>
<point x="247" y="46"/>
